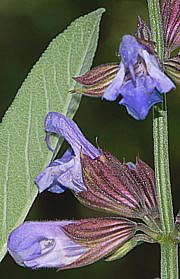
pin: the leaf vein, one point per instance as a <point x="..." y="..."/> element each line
<point x="26" y="149"/>
<point x="4" y="223"/>
<point x="56" y="84"/>
<point x="37" y="136"/>
<point x="47" y="99"/>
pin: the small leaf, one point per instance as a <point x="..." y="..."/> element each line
<point x="22" y="147"/>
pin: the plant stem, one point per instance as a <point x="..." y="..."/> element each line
<point x="161" y="161"/>
<point x="156" y="26"/>
<point x="169" y="263"/>
<point x="169" y="251"/>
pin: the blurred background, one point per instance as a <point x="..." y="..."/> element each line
<point x="26" y="28"/>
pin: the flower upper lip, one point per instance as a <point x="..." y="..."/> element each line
<point x="66" y="171"/>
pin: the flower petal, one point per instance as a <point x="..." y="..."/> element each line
<point x="163" y="83"/>
<point x="61" y="175"/>
<point x="43" y="244"/>
<point x="140" y="98"/>
<point x="48" y="177"/>
<point x="129" y="50"/>
<point x="65" y="172"/>
<point x="62" y="126"/>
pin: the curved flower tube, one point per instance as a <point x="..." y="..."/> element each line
<point x="65" y="172"/>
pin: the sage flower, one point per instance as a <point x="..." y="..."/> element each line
<point x="68" y="244"/>
<point x="65" y="172"/>
<point x="139" y="79"/>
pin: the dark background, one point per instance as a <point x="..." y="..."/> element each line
<point x="26" y="28"/>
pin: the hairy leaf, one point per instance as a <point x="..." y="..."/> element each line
<point x="23" y="151"/>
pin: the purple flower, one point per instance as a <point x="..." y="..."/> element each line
<point x="68" y="244"/>
<point x="66" y="171"/>
<point x="43" y="244"/>
<point x="139" y="79"/>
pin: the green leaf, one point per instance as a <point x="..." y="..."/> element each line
<point x="23" y="152"/>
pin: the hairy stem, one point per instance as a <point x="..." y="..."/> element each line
<point x="169" y="251"/>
